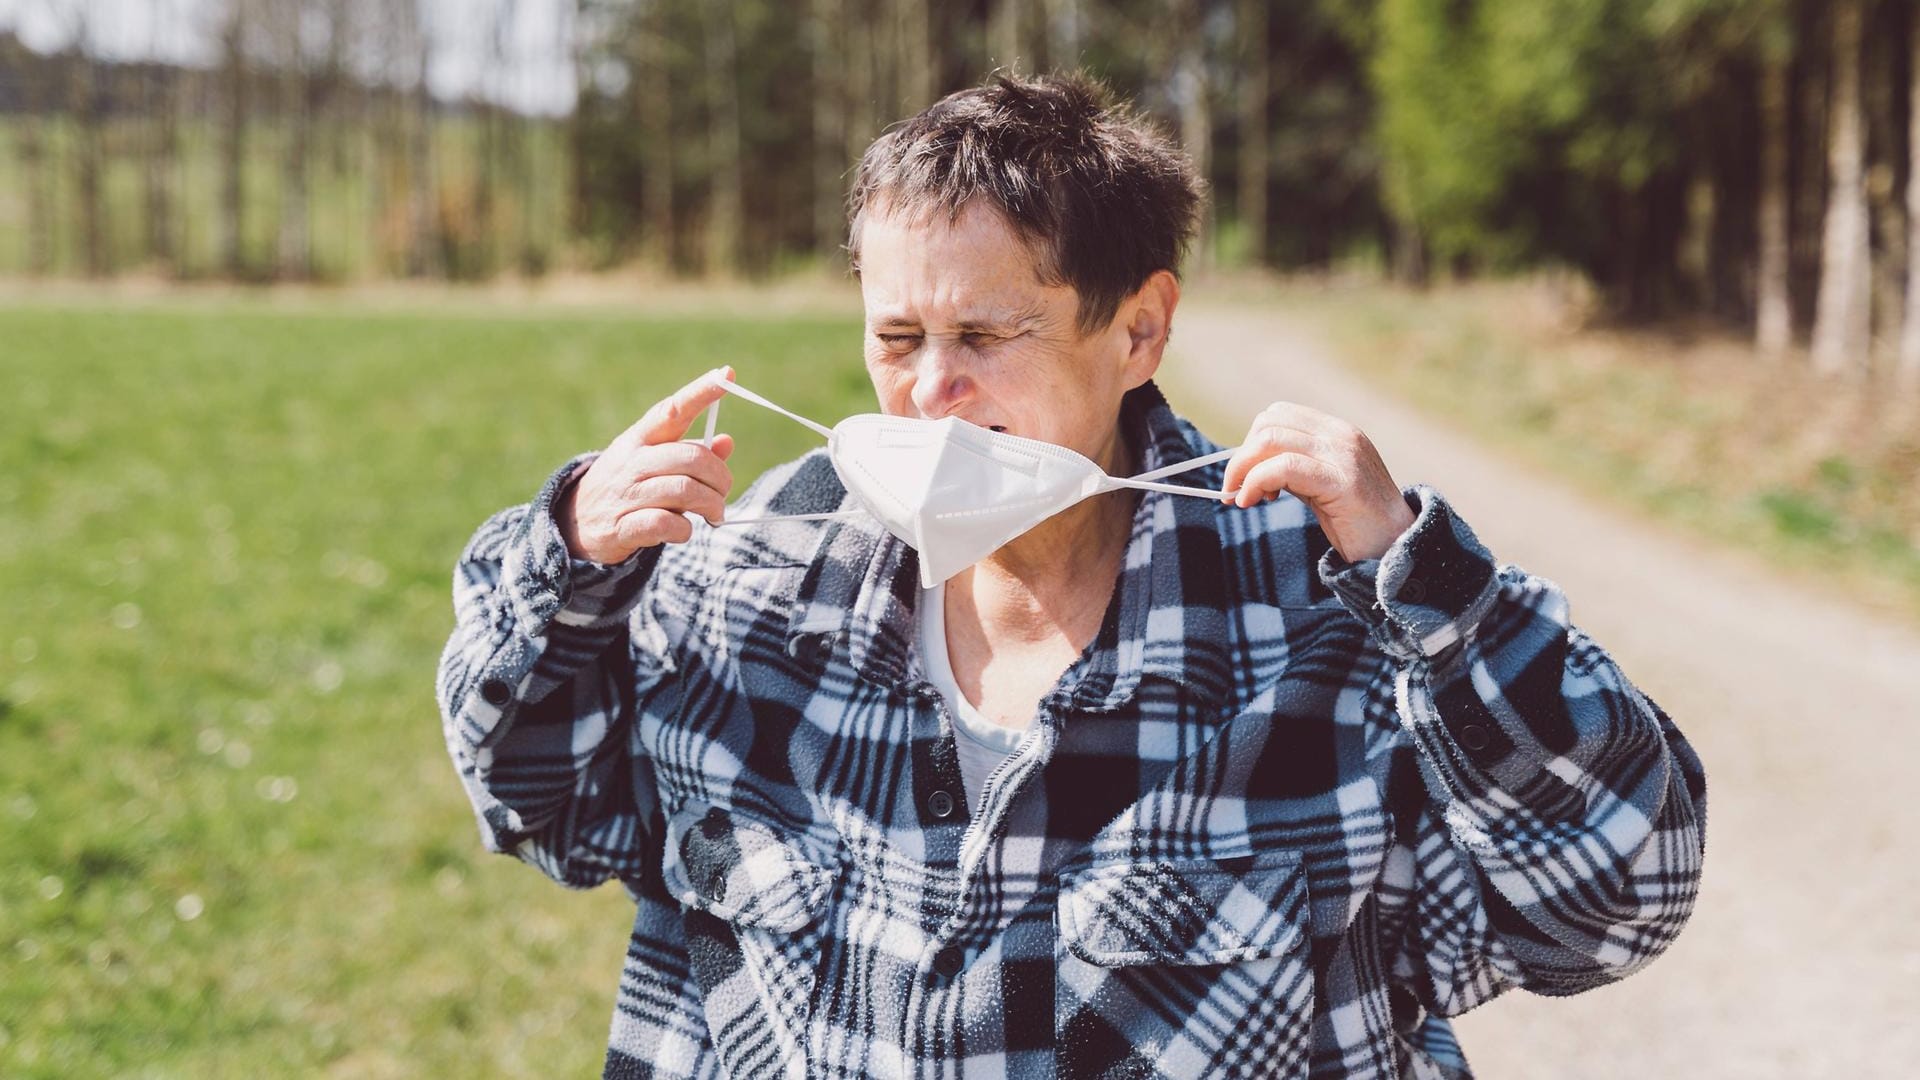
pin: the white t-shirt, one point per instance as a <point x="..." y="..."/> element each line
<point x="982" y="744"/>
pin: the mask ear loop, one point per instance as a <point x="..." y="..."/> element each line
<point x="713" y="424"/>
<point x="1145" y="481"/>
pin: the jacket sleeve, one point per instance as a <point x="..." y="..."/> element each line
<point x="1561" y="815"/>
<point x="536" y="688"/>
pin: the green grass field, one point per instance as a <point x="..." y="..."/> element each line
<point x="233" y="844"/>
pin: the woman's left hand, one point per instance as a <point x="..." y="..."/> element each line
<point x="1328" y="464"/>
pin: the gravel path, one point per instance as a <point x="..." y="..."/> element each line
<point x="1803" y="957"/>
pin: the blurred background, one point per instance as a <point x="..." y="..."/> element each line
<point x="294" y="293"/>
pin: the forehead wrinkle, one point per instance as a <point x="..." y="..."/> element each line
<point x="988" y="319"/>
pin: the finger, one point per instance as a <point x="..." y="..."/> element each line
<point x="1263" y="442"/>
<point x="679" y="493"/>
<point x="683" y="458"/>
<point x="722" y="446"/>
<point x="1304" y="417"/>
<point x="649" y="527"/>
<point x="1306" y="477"/>
<point x="670" y="417"/>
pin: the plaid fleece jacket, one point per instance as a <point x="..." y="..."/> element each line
<point x="1283" y="817"/>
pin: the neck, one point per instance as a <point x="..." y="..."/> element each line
<point x="1058" y="575"/>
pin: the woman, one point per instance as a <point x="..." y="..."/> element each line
<point x="1266" y="782"/>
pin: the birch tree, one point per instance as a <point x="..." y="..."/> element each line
<point x="160" y="94"/>
<point x="1841" y="324"/>
<point x="233" y="138"/>
<point x="1773" y="328"/>
<point x="1908" y="371"/>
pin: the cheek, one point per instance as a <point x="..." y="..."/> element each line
<point x="891" y="385"/>
<point x="1067" y="375"/>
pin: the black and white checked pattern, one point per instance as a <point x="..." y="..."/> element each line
<point x="1282" y="818"/>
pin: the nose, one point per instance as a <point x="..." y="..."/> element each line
<point x="942" y="383"/>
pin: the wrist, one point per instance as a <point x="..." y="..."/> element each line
<point x="563" y="513"/>
<point x="1377" y="543"/>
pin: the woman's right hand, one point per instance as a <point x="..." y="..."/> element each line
<point x="634" y="495"/>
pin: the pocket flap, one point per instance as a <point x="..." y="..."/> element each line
<point x="743" y="870"/>
<point x="1185" y="911"/>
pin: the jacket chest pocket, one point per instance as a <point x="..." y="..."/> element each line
<point x="1184" y="968"/>
<point x="755" y="896"/>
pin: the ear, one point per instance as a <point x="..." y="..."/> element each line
<point x="1149" y="315"/>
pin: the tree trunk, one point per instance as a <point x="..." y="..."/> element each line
<point x="35" y="168"/>
<point x="725" y="212"/>
<point x="481" y="257"/>
<point x="580" y="134"/>
<point x="423" y="232"/>
<point x="1908" y="371"/>
<point x="829" y="135"/>
<point x="1880" y="101"/>
<point x="534" y="245"/>
<point x="916" y="54"/>
<point x="88" y="119"/>
<point x="1065" y="28"/>
<point x="233" y="143"/>
<point x="1807" y="154"/>
<point x="654" y="88"/>
<point x="1773" y="329"/>
<point x="861" y="126"/>
<point x="296" y="255"/>
<point x="1008" y="34"/>
<point x="163" y="155"/>
<point x="330" y="118"/>
<point x="1840" y="329"/>
<point x="1196" y="118"/>
<point x="383" y="135"/>
<point x="1254" y="82"/>
<point x="1409" y="252"/>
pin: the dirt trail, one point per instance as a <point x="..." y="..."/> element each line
<point x="1803" y="957"/>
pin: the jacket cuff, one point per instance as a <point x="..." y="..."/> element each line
<point x="1429" y="589"/>
<point x="548" y="583"/>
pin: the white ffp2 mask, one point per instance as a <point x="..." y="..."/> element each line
<point x="956" y="492"/>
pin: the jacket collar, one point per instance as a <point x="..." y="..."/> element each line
<point x="1168" y="616"/>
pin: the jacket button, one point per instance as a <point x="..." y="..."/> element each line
<point x="1473" y="737"/>
<point x="495" y="691"/>
<point x="940" y="803"/>
<point x="948" y="961"/>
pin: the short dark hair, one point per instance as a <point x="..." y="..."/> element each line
<point x="1102" y="197"/>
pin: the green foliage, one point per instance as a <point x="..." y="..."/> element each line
<point x="1795" y="514"/>
<point x="1507" y="126"/>
<point x="1447" y="153"/>
<point x="233" y="844"/>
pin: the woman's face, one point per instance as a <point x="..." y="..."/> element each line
<point x="959" y="324"/>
